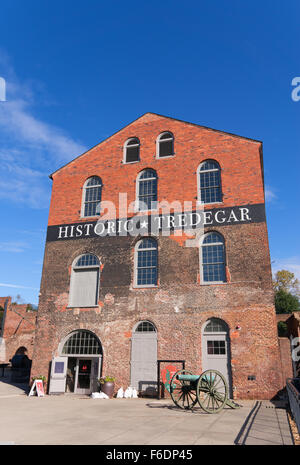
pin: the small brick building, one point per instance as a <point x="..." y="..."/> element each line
<point x="127" y="282"/>
<point x="17" y="328"/>
<point x="289" y="344"/>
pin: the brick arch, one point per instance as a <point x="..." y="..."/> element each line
<point x="217" y="317"/>
<point x="64" y="332"/>
<point x="66" y="338"/>
<point x="140" y="320"/>
<point x="82" y="250"/>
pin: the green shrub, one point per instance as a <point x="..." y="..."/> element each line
<point x="282" y="329"/>
<point x="107" y="379"/>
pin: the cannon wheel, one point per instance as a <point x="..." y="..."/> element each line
<point x="212" y="391"/>
<point x="180" y="391"/>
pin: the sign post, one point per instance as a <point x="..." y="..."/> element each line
<point x="37" y="388"/>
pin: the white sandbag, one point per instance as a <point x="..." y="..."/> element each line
<point x="99" y="395"/>
<point x="120" y="393"/>
<point x="128" y="393"/>
<point x="134" y="393"/>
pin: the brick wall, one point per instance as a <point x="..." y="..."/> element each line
<point x="5" y="301"/>
<point x="18" y="330"/>
<point x="178" y="311"/>
<point x="239" y="159"/>
<point x="286" y="359"/>
<point x="180" y="305"/>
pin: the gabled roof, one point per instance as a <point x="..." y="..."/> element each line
<point x="161" y="116"/>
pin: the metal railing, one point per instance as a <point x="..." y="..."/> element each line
<point x="293" y="389"/>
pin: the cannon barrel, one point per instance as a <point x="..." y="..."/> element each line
<point x="188" y="377"/>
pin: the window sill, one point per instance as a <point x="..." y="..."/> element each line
<point x="201" y="204"/>
<point x="145" y="286"/>
<point x="86" y="306"/>
<point x="167" y="156"/>
<point x="130" y="162"/>
<point x="213" y="282"/>
<point x="145" y="211"/>
<point x="89" y="217"/>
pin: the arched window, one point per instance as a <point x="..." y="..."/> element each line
<point x="215" y="325"/>
<point x="132" y="150"/>
<point x="147" y="190"/>
<point x="215" y="346"/>
<point x="145" y="327"/>
<point x="146" y="262"/>
<point x="92" y="196"/>
<point x="209" y="175"/>
<point x="84" y="281"/>
<point x="212" y="258"/>
<point x="82" y="343"/>
<point x="165" y="145"/>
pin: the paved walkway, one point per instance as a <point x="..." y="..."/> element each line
<point x="267" y="424"/>
<point x="70" y="419"/>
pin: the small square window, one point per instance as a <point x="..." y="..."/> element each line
<point x="216" y="347"/>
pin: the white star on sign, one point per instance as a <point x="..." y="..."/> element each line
<point x="144" y="224"/>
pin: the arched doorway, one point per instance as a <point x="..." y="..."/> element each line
<point x="216" y="348"/>
<point x="144" y="357"/>
<point x="78" y="366"/>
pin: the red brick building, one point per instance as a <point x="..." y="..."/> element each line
<point x="17" y="328"/>
<point x="189" y="282"/>
<point x="289" y="343"/>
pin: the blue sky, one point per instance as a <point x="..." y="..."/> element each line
<point x="77" y="71"/>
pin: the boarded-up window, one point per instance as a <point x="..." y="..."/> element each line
<point x="84" y="282"/>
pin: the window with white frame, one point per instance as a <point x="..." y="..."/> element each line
<point x="145" y="327"/>
<point x="146" y="262"/>
<point x="165" y="145"/>
<point x="132" y="150"/>
<point x="92" y="197"/>
<point x="215" y="325"/>
<point x="212" y="258"/>
<point x="209" y="180"/>
<point x="147" y="190"/>
<point x="84" y="286"/>
<point x="82" y="343"/>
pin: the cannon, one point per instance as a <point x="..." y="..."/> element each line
<point x="209" y="390"/>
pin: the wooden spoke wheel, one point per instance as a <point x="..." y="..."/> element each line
<point x="183" y="393"/>
<point x="212" y="391"/>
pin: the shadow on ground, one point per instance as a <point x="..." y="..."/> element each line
<point x="266" y="424"/>
<point x="197" y="410"/>
<point x="7" y="379"/>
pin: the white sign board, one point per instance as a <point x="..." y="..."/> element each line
<point x="37" y="388"/>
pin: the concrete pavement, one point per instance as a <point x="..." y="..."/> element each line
<point x="70" y="419"/>
<point x="267" y="425"/>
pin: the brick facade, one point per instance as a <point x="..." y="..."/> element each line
<point x="292" y="321"/>
<point x="286" y="358"/>
<point x="18" y="329"/>
<point x="179" y="306"/>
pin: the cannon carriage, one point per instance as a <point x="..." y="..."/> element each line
<point x="209" y="390"/>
